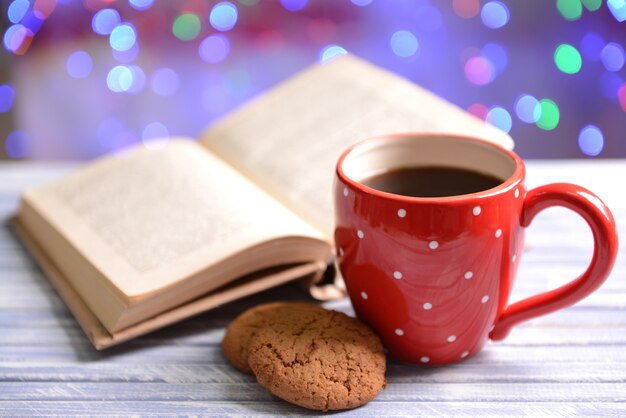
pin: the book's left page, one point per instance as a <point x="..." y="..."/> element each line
<point x="139" y="226"/>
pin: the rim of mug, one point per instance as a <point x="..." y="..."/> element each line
<point x="511" y="182"/>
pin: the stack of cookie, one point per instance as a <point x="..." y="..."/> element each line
<point x="307" y="355"/>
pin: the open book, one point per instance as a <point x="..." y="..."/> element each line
<point x="139" y="240"/>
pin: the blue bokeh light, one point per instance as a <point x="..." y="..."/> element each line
<point x="527" y="108"/>
<point x="139" y="79"/>
<point x="123" y="37"/>
<point x="140" y="4"/>
<point x="613" y="56"/>
<point x="591" y="46"/>
<point x="79" y="64"/>
<point x="361" y="2"/>
<point x="223" y="16"/>
<point x="494" y="14"/>
<point x="155" y="135"/>
<point x="404" y="44"/>
<point x="113" y="135"/>
<point x="17" y="144"/>
<point x="294" y="5"/>
<point x="14" y="37"/>
<point x="154" y="130"/>
<point x="17" y="10"/>
<point x="618" y="9"/>
<point x="610" y="84"/>
<point x="214" y="48"/>
<point x="108" y="130"/>
<point x="500" y="118"/>
<point x="238" y="82"/>
<point x="164" y="82"/>
<point x="497" y="55"/>
<point x="591" y="140"/>
<point x="7" y="97"/>
<point x="126" y="56"/>
<point x="105" y="21"/>
<point x="32" y="21"/>
<point x="215" y="95"/>
<point x="331" y="51"/>
<point x="120" y="79"/>
<point x="428" y="18"/>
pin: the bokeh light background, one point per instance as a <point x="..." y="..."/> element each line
<point x="83" y="78"/>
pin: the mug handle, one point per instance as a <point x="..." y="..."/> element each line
<point x="602" y="224"/>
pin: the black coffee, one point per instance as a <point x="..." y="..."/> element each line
<point x="431" y="181"/>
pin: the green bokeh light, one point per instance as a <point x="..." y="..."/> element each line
<point x="186" y="27"/>
<point x="255" y="2"/>
<point x="592" y="5"/>
<point x="570" y="9"/>
<point x="567" y="59"/>
<point x="550" y="115"/>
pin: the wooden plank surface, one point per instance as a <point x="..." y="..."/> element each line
<point x="571" y="363"/>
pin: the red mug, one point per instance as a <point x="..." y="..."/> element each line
<point x="433" y="275"/>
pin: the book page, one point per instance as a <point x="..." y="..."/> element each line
<point x="289" y="139"/>
<point x="150" y="218"/>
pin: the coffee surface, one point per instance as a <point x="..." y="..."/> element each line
<point x="431" y="181"/>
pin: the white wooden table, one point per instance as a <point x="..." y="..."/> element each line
<point x="569" y="363"/>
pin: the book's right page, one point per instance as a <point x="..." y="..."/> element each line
<point x="288" y="140"/>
